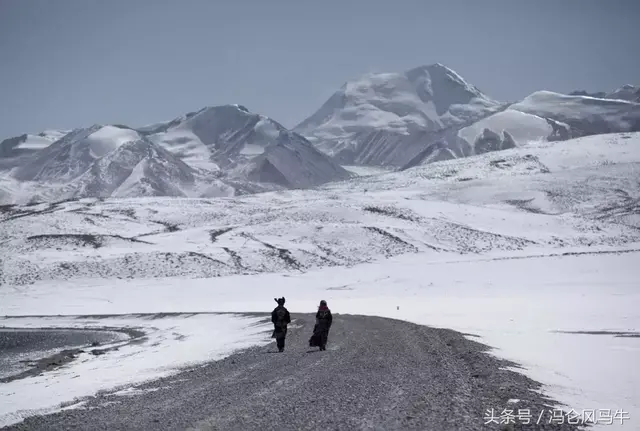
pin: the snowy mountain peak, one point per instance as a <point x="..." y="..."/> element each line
<point x="74" y="153"/>
<point x="550" y="116"/>
<point x="219" y="134"/>
<point x="241" y="107"/>
<point x="134" y="168"/>
<point x="108" y="138"/>
<point x="103" y="161"/>
<point x="546" y="96"/>
<point x="15" y="150"/>
<point x="442" y="72"/>
<point x="215" y="151"/>
<point x="627" y="92"/>
<point x="228" y="108"/>
<point x="433" y="83"/>
<point x="248" y="145"/>
<point x="424" y="99"/>
<point x="444" y="87"/>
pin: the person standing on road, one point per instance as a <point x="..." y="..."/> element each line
<point x="324" y="319"/>
<point x="280" y="318"/>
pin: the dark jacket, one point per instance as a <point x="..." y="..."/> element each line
<point x="280" y="318"/>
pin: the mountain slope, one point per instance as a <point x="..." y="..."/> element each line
<point x="431" y="113"/>
<point x="583" y="114"/>
<point x="135" y="168"/>
<point x="628" y="92"/>
<point x="103" y="161"/>
<point x="391" y="120"/>
<point x="424" y="99"/>
<point x="548" y="116"/>
<point x="217" y="151"/>
<point x="247" y="146"/>
<point x="13" y="151"/>
<point x="522" y="126"/>
<point x="28" y="142"/>
<point x="72" y="155"/>
<point x="580" y="192"/>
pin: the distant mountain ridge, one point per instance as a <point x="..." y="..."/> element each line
<point x="389" y="120"/>
<point x="217" y="151"/>
<point x="628" y="92"/>
<point x="430" y="113"/>
<point x="14" y="150"/>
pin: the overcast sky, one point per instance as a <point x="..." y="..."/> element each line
<point x="74" y="63"/>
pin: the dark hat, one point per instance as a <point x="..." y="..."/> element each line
<point x="323" y="302"/>
<point x="280" y="301"/>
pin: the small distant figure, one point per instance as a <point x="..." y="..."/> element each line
<point x="324" y="319"/>
<point x="280" y="318"/>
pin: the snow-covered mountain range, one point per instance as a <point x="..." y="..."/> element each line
<point x="247" y="146"/>
<point x="217" y="151"/>
<point x="390" y="120"/>
<point x="578" y="193"/>
<point x="431" y="113"/>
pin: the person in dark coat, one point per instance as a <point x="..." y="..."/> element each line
<point x="280" y="318"/>
<point x="324" y="319"/>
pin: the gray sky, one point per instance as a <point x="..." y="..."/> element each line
<point x="73" y="63"/>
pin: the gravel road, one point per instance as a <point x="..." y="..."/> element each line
<point x="377" y="374"/>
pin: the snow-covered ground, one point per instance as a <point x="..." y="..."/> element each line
<point x="363" y="171"/>
<point x="515" y="305"/>
<point x="171" y="342"/>
<point x="511" y="246"/>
